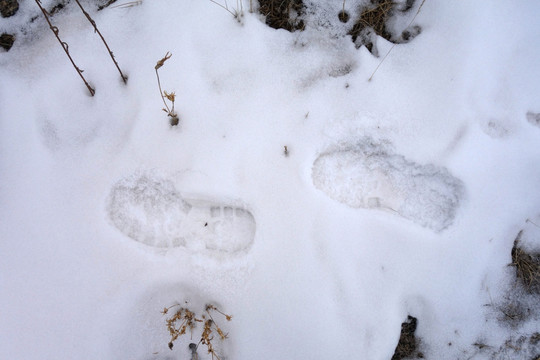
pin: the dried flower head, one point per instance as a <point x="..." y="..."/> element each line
<point x="162" y="61"/>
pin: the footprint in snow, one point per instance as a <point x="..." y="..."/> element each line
<point x="370" y="176"/>
<point x="150" y="210"/>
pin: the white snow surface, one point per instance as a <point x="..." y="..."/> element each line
<point x="397" y="196"/>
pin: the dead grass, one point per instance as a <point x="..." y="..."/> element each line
<point x="516" y="346"/>
<point x="184" y="319"/>
<point x="514" y="309"/>
<point x="8" y="8"/>
<point x="373" y="21"/>
<point x="283" y="14"/>
<point x="527" y="267"/>
<point x="374" y="17"/>
<point x="6" y="41"/>
<point x="408" y="344"/>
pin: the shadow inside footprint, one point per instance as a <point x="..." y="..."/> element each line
<point x="370" y="176"/>
<point x="150" y="210"/>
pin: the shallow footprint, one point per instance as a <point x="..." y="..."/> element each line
<point x="370" y="176"/>
<point x="150" y="210"/>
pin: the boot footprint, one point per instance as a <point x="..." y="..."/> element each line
<point x="370" y="176"/>
<point x="150" y="210"/>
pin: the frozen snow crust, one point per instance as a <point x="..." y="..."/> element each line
<point x="320" y="209"/>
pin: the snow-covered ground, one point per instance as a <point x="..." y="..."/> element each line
<point x="320" y="209"/>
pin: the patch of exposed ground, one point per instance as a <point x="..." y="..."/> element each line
<point x="407" y="347"/>
<point x="283" y="14"/>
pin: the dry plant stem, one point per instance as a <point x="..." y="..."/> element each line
<point x="103" y="39"/>
<point x="126" y="5"/>
<point x="528" y="220"/>
<point x="161" y="92"/>
<point x="224" y="7"/>
<point x="390" y="50"/>
<point x="171" y="97"/>
<point x="65" y="46"/>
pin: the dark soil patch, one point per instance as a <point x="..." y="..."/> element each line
<point x="8" y="7"/>
<point x="373" y="21"/>
<point x="283" y="14"/>
<point x="6" y="41"/>
<point x="408" y="344"/>
<point x="527" y="267"/>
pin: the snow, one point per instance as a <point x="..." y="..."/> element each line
<point x="399" y="196"/>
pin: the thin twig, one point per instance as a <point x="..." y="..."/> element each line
<point x="160" y="64"/>
<point x="391" y="48"/>
<point x="126" y="5"/>
<point x="65" y="46"/>
<point x="103" y="39"/>
<point x="226" y="7"/>
<point x="529" y="220"/>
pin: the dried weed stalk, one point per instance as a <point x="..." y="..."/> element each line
<point x="237" y="13"/>
<point x="127" y="5"/>
<point x="165" y="95"/>
<point x="184" y="319"/>
<point x="124" y="78"/>
<point x="65" y="46"/>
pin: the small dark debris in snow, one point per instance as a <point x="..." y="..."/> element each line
<point x="54" y="10"/>
<point x="480" y="345"/>
<point x="58" y="7"/>
<point x="174" y="120"/>
<point x="8" y="7"/>
<point x="283" y="14"/>
<point x="533" y="118"/>
<point x="409" y="34"/>
<point x="104" y="4"/>
<point x="535" y="338"/>
<point x="343" y="16"/>
<point x="285" y="151"/>
<point x="408" y="343"/>
<point x="6" y="41"/>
